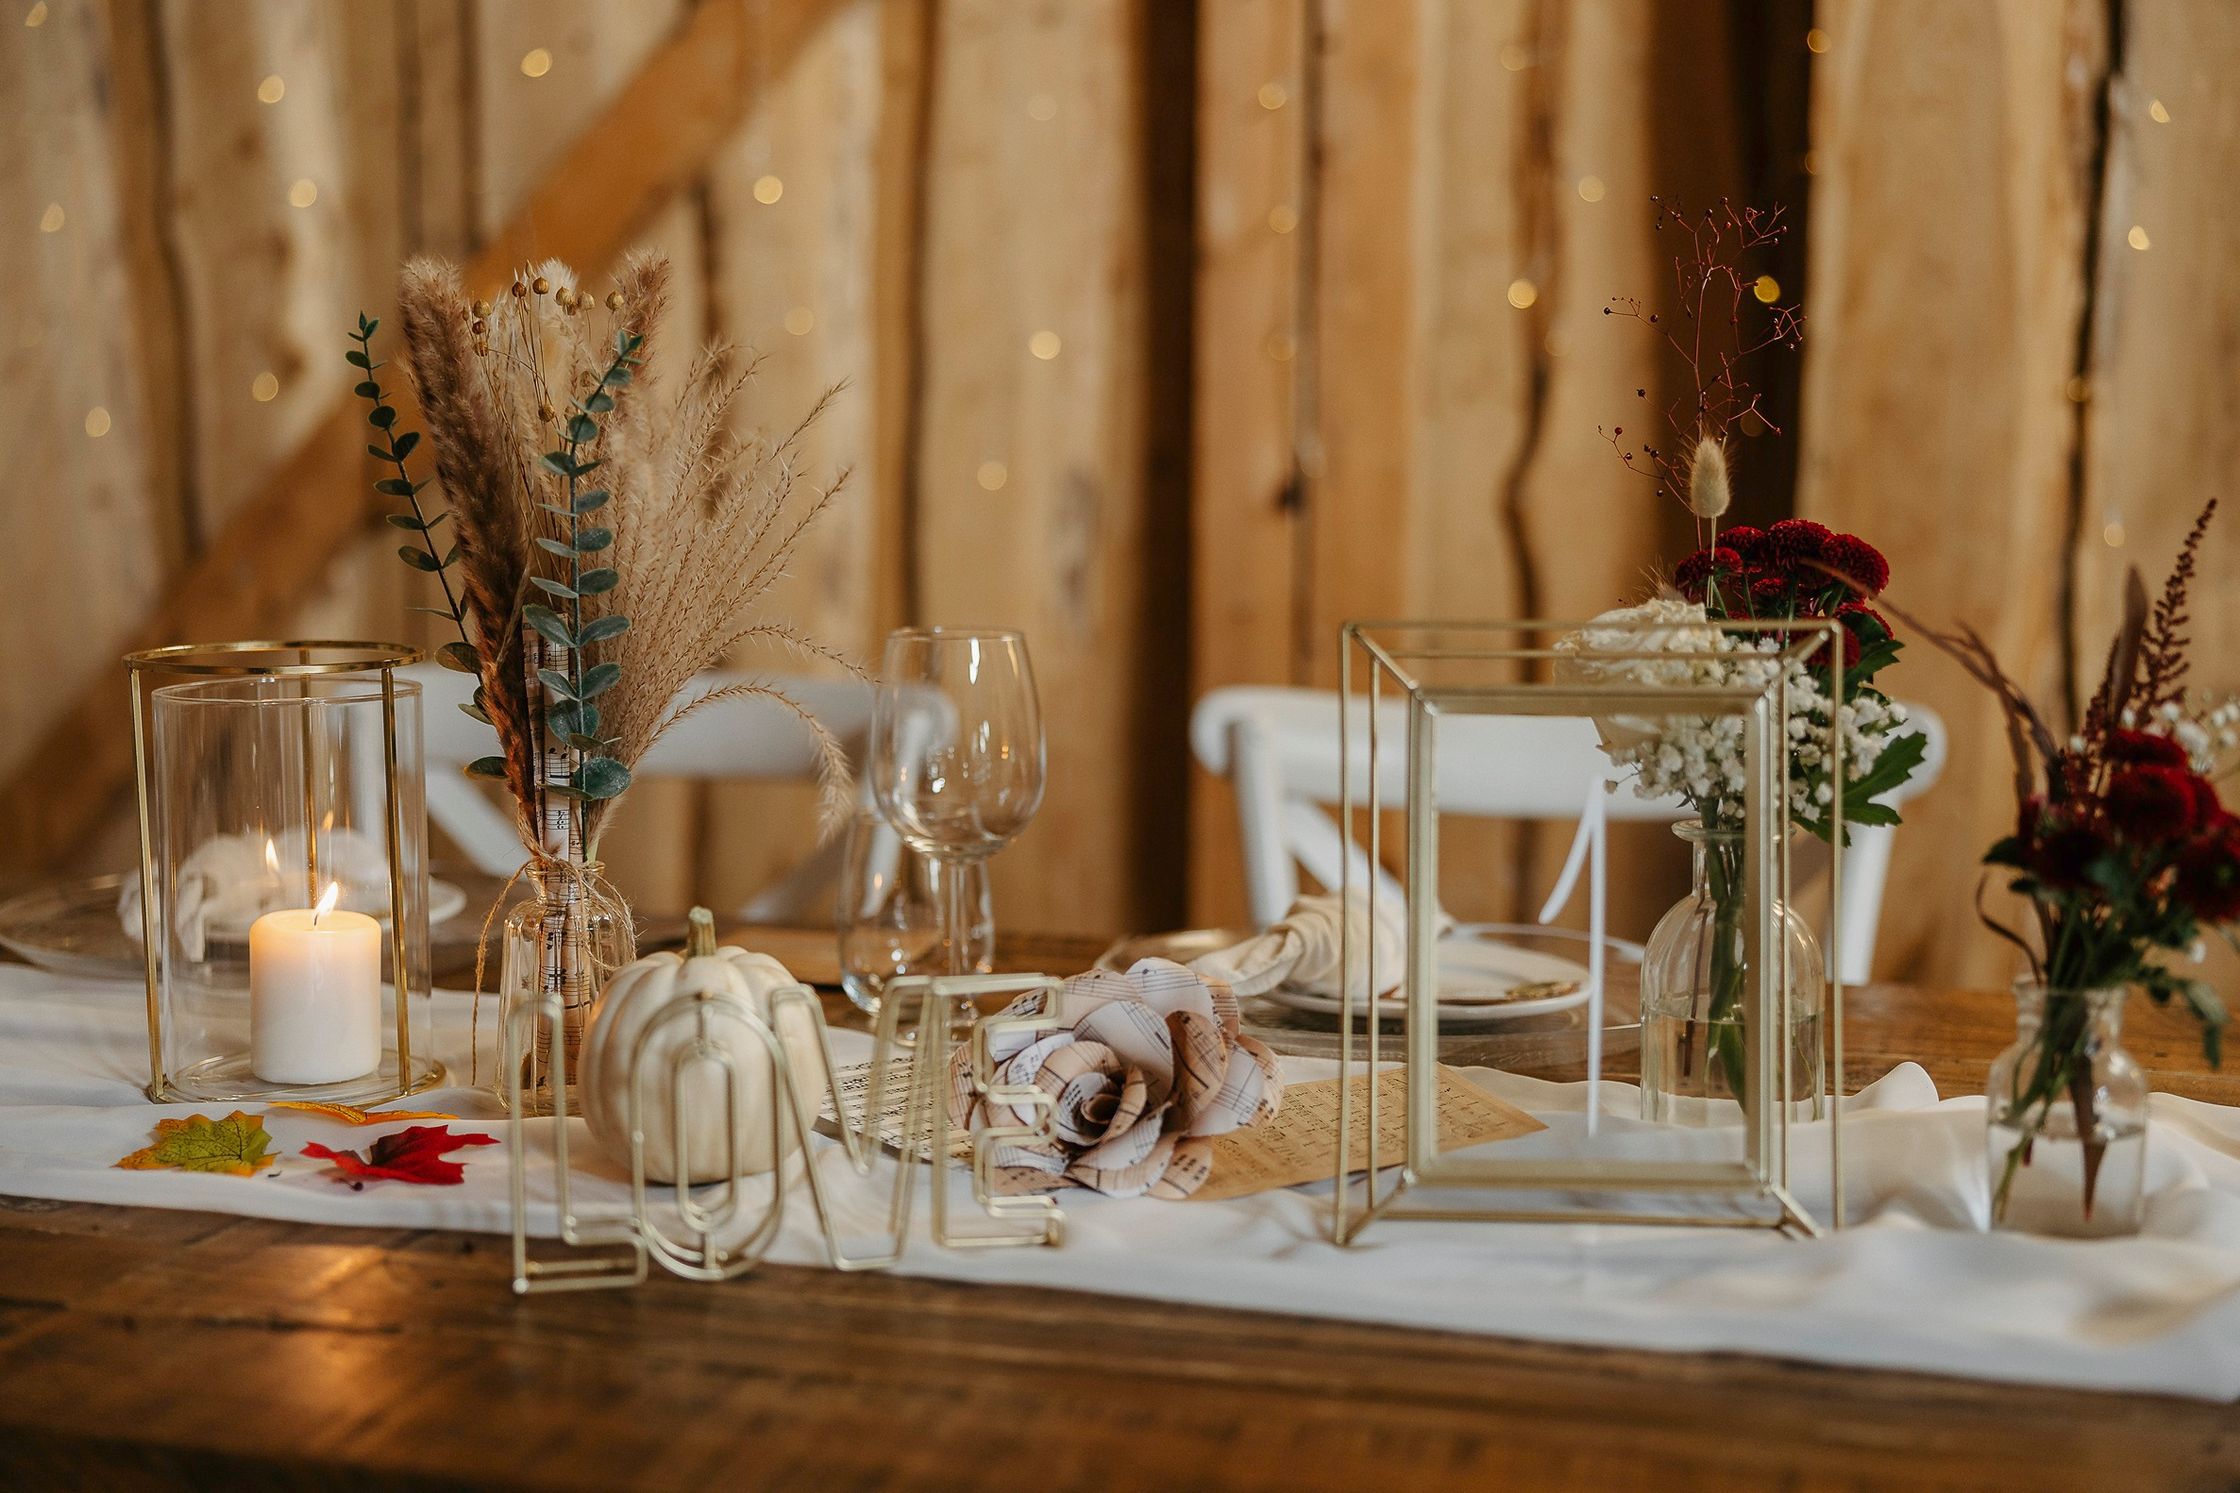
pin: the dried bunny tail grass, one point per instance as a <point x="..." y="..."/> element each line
<point x="1710" y="493"/>
<point x="474" y="460"/>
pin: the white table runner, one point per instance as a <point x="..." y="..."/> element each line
<point x="1913" y="1285"/>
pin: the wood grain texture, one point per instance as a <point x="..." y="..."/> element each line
<point x="1935" y="416"/>
<point x="1034" y="509"/>
<point x="783" y="1380"/>
<point x="652" y="137"/>
<point x="1254" y="235"/>
<point x="93" y="511"/>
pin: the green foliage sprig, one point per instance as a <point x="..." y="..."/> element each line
<point x="575" y="719"/>
<point x="397" y="445"/>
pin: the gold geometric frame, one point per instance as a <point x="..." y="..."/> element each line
<point x="1399" y="654"/>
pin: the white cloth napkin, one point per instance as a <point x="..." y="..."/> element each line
<point x="1302" y="951"/>
<point x="1913" y="1284"/>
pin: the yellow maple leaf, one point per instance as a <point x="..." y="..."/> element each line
<point x="234" y="1146"/>
<point x="350" y="1114"/>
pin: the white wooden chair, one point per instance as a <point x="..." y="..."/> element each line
<point x="746" y="738"/>
<point x="1278" y="746"/>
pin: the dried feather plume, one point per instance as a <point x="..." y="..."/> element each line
<point x="613" y="543"/>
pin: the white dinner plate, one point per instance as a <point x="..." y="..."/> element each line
<point x="1481" y="980"/>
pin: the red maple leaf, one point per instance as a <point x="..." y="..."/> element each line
<point x="414" y="1154"/>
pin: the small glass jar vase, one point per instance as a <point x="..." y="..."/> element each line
<point x="1693" y="978"/>
<point x="2065" y="1110"/>
<point x="282" y="898"/>
<point x="560" y="947"/>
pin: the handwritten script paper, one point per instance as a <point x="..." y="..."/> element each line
<point x="1294" y="1147"/>
<point x="1297" y="1145"/>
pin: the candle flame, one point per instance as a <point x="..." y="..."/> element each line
<point x="271" y="856"/>
<point x="326" y="902"/>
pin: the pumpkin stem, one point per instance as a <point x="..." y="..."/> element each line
<point x="700" y="934"/>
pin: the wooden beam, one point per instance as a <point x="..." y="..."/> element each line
<point x="650" y="141"/>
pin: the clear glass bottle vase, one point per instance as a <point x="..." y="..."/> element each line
<point x="2065" y="1111"/>
<point x="1694" y="975"/>
<point x="560" y="946"/>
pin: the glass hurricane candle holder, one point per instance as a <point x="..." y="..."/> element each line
<point x="282" y="899"/>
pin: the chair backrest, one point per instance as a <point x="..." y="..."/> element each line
<point x="743" y="737"/>
<point x="1279" y="746"/>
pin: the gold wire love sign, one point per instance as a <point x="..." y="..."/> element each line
<point x="711" y="1232"/>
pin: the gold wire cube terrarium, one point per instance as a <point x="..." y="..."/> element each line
<point x="1415" y="693"/>
<point x="282" y="896"/>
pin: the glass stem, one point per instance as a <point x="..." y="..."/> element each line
<point x="955" y="931"/>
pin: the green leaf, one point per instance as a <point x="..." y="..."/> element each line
<point x="460" y="657"/>
<point x="583" y="743"/>
<point x="552" y="587"/>
<point x="381" y="416"/>
<point x="560" y="462"/>
<point x="395" y="487"/>
<point x="366" y="329"/>
<point x="598" y="679"/>
<point x="586" y="468"/>
<point x="594" y="582"/>
<point x="418" y="559"/>
<point x="600" y="402"/>
<point x="368" y="389"/>
<point x="451" y="555"/>
<point x="602" y="778"/>
<point x="562" y="790"/>
<point x="616" y="377"/>
<point x="237" y="1146"/>
<point x="599" y="629"/>
<point x="487" y="767"/>
<point x="1900" y="756"/>
<point x="591" y="541"/>
<point x="2204" y="1002"/>
<point x="473" y="709"/>
<point x="557" y="683"/>
<point x="548" y="624"/>
<point x="558" y="547"/>
<point x="573" y="718"/>
<point x="379" y="453"/>
<point x="359" y="360"/>
<point x="407" y="443"/>
<point x="582" y="429"/>
<point x="408" y="521"/>
<point x="435" y="612"/>
<point x="590" y="501"/>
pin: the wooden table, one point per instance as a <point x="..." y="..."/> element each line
<point x="142" y="1346"/>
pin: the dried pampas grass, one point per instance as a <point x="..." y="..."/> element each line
<point x="703" y="521"/>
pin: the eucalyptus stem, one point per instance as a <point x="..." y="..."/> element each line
<point x="382" y="416"/>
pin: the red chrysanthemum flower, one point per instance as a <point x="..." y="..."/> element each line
<point x="2062" y="858"/>
<point x="2208" y="809"/>
<point x="1796" y="539"/>
<point x="1691" y="574"/>
<point x="1865" y="621"/>
<point x="2150" y="803"/>
<point x="1857" y="561"/>
<point x="1770" y="590"/>
<point x="1745" y="541"/>
<point x="2144" y="747"/>
<point x="2208" y="878"/>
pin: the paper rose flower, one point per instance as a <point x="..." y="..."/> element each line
<point x="1148" y="1068"/>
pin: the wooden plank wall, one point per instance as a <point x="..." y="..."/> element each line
<point x="1178" y="333"/>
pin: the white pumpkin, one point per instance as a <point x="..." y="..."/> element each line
<point x="635" y="996"/>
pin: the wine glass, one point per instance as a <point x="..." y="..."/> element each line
<point x="957" y="756"/>
<point x="889" y="914"/>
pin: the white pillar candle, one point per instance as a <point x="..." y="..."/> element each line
<point x="314" y="994"/>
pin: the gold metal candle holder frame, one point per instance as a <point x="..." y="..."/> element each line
<point x="151" y="669"/>
<point x="1501" y="668"/>
<point x="702" y="1237"/>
